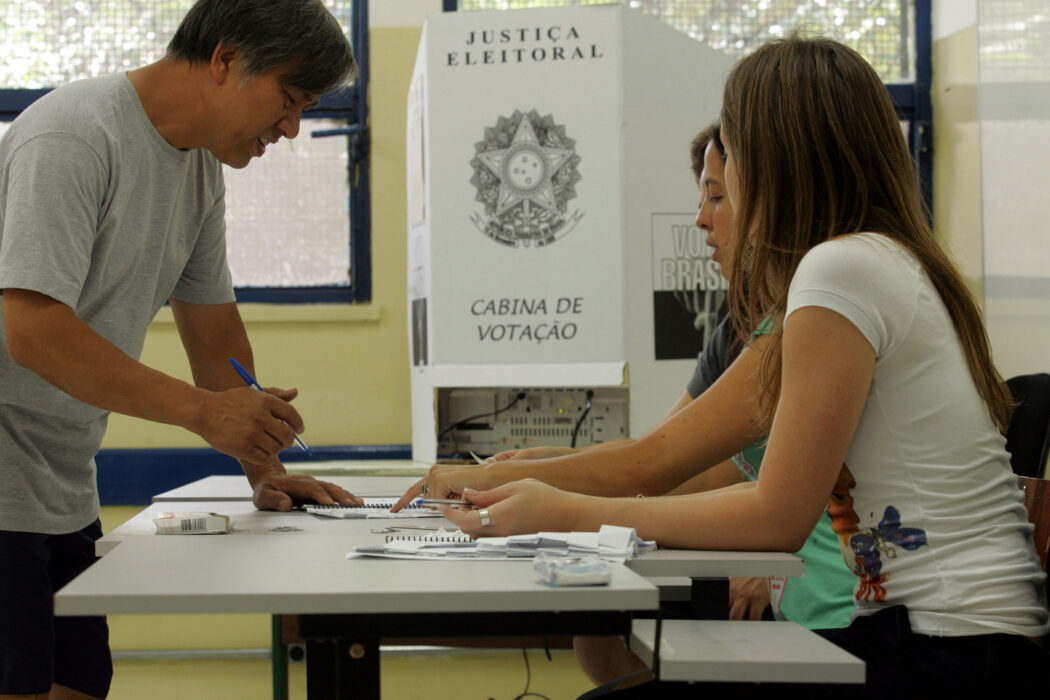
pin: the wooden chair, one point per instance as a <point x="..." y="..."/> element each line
<point x="1028" y="436"/>
<point x="1037" y="502"/>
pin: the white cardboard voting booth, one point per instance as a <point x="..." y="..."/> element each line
<point x="551" y="204"/>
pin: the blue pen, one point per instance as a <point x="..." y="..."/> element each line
<point x="250" y="381"/>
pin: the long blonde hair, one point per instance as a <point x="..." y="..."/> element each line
<point x="818" y="152"/>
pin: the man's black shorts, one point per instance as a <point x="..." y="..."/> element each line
<point x="37" y="648"/>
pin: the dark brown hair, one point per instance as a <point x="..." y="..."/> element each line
<point x="818" y="152"/>
<point x="712" y="134"/>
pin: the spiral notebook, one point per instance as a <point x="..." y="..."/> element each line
<point x="610" y="542"/>
<point x="373" y="508"/>
<point x="442" y="536"/>
<point x="442" y="543"/>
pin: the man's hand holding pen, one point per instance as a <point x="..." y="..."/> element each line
<point x="246" y="424"/>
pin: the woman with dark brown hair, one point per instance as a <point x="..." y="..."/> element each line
<point x="878" y="393"/>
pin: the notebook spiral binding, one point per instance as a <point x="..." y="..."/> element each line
<point x="384" y="505"/>
<point x="460" y="537"/>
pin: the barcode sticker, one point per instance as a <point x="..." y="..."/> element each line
<point x="191" y="523"/>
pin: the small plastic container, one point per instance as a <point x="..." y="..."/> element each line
<point x="572" y="571"/>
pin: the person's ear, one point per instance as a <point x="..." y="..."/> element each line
<point x="221" y="64"/>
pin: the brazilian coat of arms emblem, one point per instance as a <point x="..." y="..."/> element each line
<point x="525" y="172"/>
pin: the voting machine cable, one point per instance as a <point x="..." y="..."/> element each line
<point x="520" y="395"/>
<point x="528" y="673"/>
<point x="579" y="421"/>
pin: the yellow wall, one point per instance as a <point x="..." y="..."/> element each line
<point x="349" y="363"/>
<point x="957" y="151"/>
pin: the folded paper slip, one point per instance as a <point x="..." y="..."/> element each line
<point x="611" y="542"/>
<point x="191" y="523"/>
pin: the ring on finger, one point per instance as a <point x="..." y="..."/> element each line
<point x="486" y="520"/>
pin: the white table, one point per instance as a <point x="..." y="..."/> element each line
<point x="344" y="606"/>
<point x="246" y="520"/>
<point x="236" y="488"/>
<point x="662" y="563"/>
<point x="294" y="563"/>
<point x="743" y="652"/>
<point x="681" y="574"/>
<point x="714" y="563"/>
<point x="300" y="572"/>
<point x="359" y="467"/>
<point x="231" y="495"/>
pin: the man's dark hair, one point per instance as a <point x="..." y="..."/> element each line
<point x="268" y="34"/>
<point x="712" y="134"/>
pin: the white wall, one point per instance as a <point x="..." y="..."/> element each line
<point x="954" y="16"/>
<point x="1014" y="116"/>
<point x="401" y="13"/>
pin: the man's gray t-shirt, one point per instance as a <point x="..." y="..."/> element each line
<point x="99" y="212"/>
<point x="714" y="359"/>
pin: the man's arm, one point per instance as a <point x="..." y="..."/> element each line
<point x="211" y="334"/>
<point x="47" y="337"/>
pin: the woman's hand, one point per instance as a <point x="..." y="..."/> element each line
<point x="748" y="597"/>
<point x="443" y="481"/>
<point x="512" y="509"/>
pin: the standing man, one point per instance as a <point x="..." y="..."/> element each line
<point x="111" y="203"/>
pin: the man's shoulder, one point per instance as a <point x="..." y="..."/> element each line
<point x="85" y="109"/>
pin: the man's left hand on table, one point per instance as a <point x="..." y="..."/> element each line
<point x="275" y="489"/>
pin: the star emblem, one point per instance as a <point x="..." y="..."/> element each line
<point x="525" y="170"/>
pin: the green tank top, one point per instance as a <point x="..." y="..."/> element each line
<point x="823" y="597"/>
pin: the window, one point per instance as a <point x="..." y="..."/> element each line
<point x="893" y="35"/>
<point x="1013" y="108"/>
<point x="298" y="219"/>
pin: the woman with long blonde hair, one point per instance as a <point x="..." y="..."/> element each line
<point x="879" y="395"/>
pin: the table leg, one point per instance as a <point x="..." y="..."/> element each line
<point x="342" y="650"/>
<point x="710" y="599"/>
<point x="339" y="669"/>
<point x="278" y="660"/>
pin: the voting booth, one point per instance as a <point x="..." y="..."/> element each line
<point x="558" y="287"/>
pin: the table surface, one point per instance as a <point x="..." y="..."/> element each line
<point x="236" y="488"/>
<point x="245" y="519"/>
<point x="360" y="467"/>
<point x="663" y="563"/>
<point x="289" y="573"/>
<point x="749" y="652"/>
<point x="296" y="563"/>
